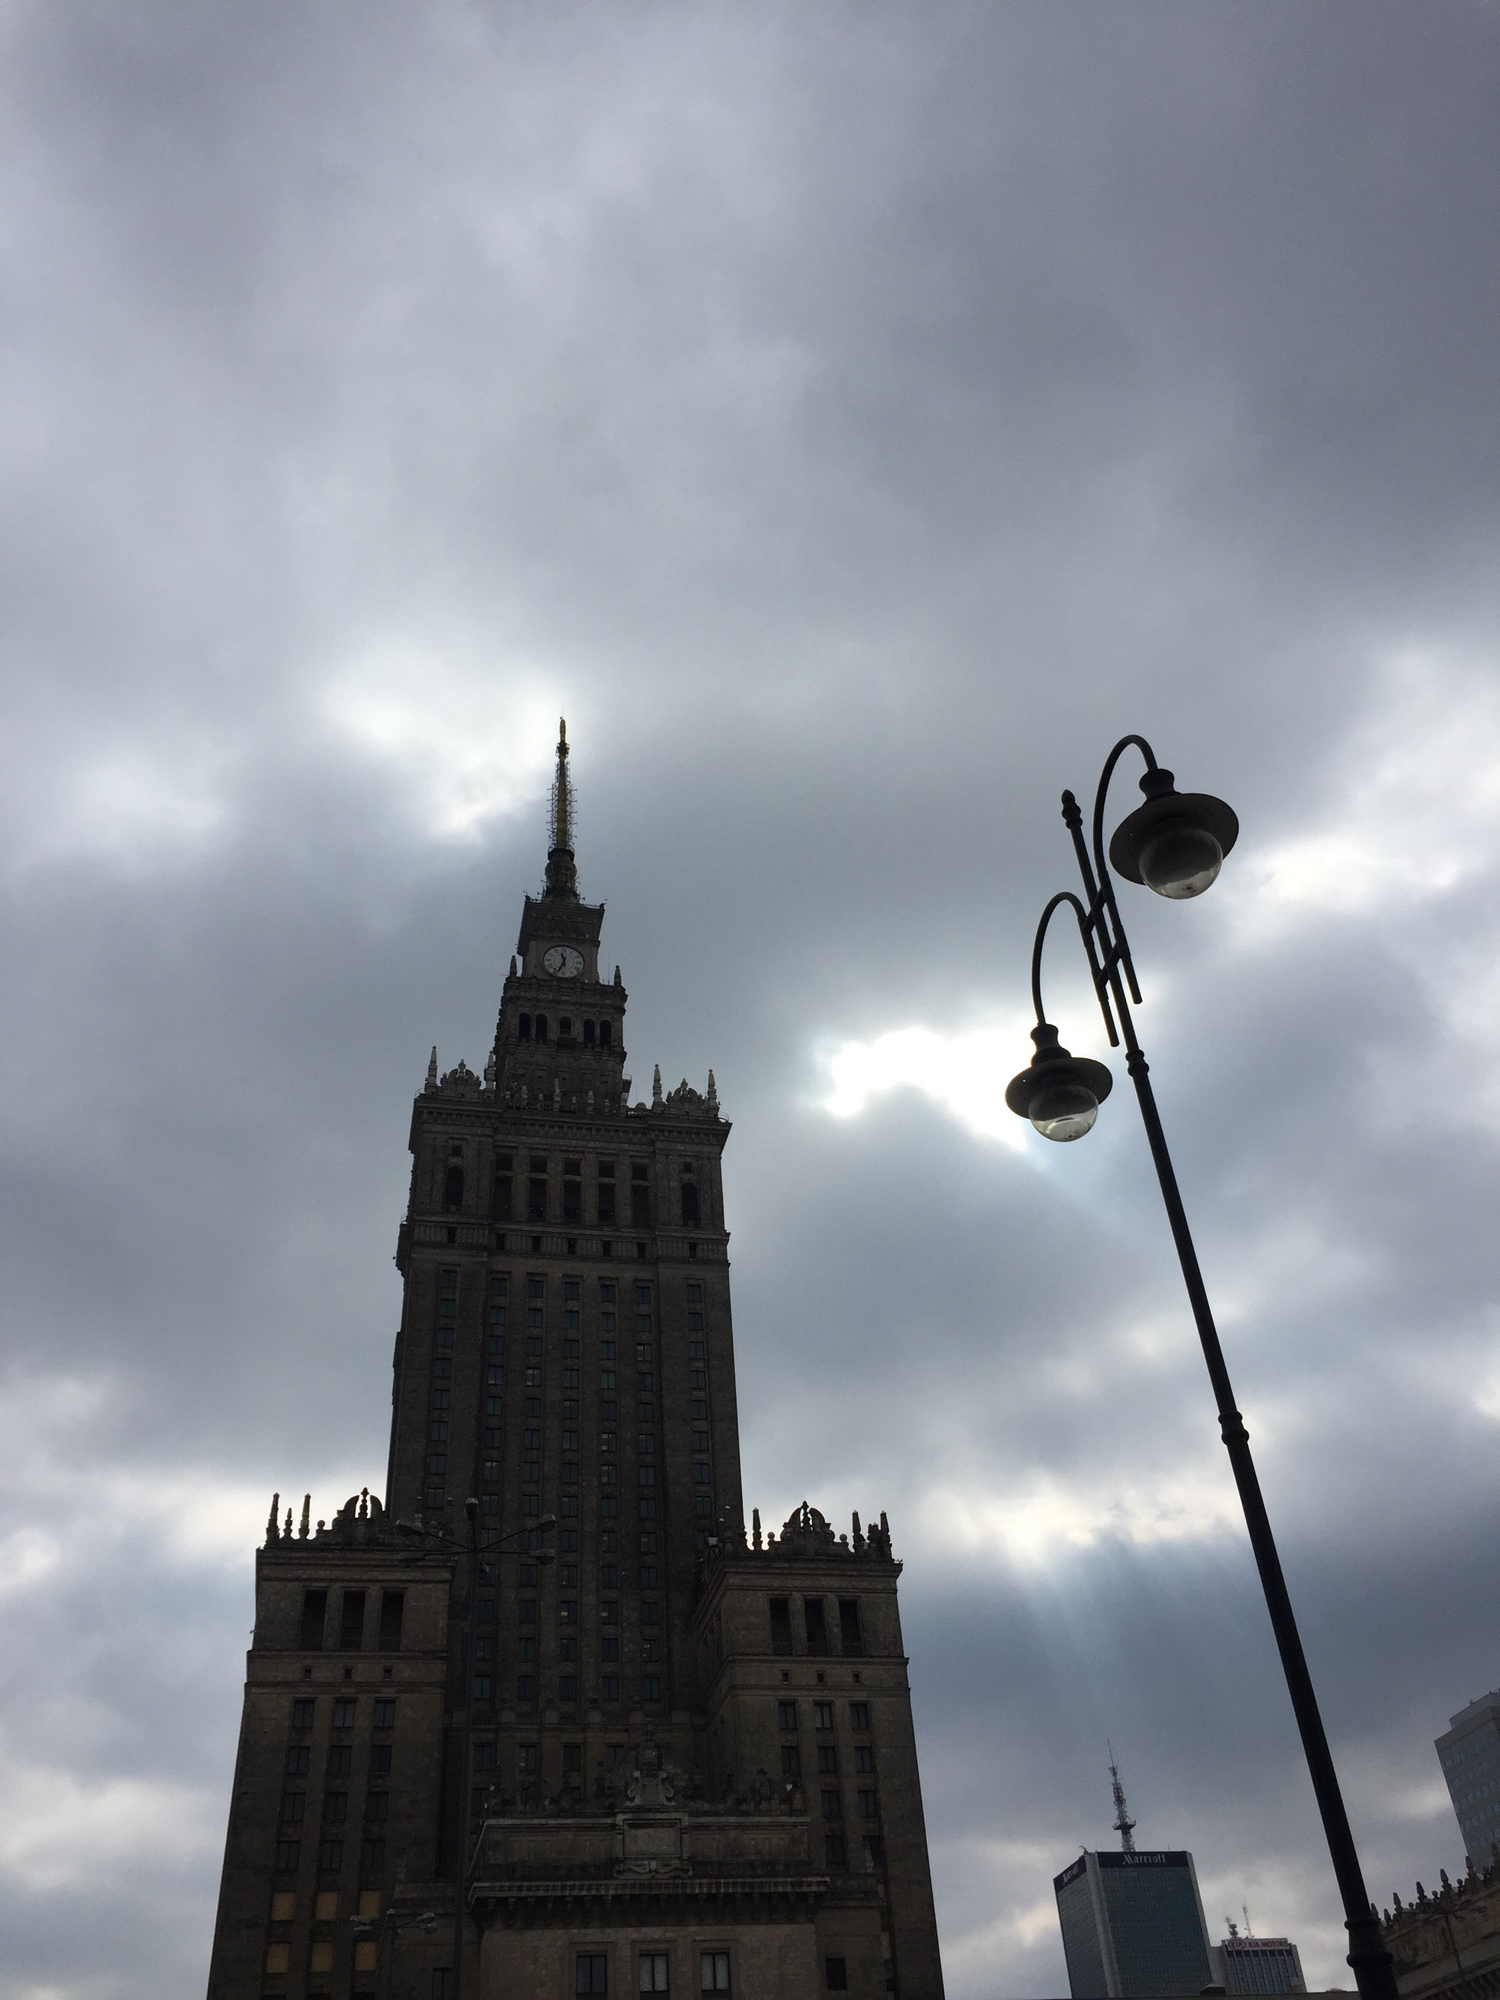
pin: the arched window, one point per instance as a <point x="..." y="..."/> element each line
<point x="541" y="1027"/>
<point x="606" y="1034"/>
<point x="588" y="1034"/>
<point x="691" y="1209"/>
<point x="523" y="1028"/>
<point x="453" y="1189"/>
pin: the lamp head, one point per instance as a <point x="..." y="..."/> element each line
<point x="1059" y="1093"/>
<point x="1176" y="842"/>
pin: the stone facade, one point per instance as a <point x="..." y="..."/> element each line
<point x="1447" y="1944"/>
<point x="554" y="1704"/>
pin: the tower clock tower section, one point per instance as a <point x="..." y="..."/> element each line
<point x="565" y="1357"/>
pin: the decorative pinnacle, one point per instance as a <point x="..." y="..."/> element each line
<point x="432" y="1065"/>
<point x="1124" y="1825"/>
<point x="562" y="876"/>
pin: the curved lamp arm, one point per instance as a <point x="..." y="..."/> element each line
<point x="1105" y="775"/>
<point x="1085" y="932"/>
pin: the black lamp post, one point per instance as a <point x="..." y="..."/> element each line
<point x="1175" y="843"/>
<point x="385" y="1929"/>
<point x="473" y="1549"/>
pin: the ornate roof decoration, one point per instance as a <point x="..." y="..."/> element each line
<point x="360" y="1519"/>
<point x="806" y="1536"/>
<point x="461" y="1080"/>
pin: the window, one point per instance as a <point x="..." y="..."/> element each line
<point x="833" y="1805"/>
<point x="366" y="1955"/>
<point x="293" y="1805"/>
<point x="314" y="1609"/>
<point x="385" y="1713"/>
<point x="786" y="1715"/>
<point x="835" y="1850"/>
<point x="339" y="1755"/>
<point x="343" y="1713"/>
<point x="791" y="1763"/>
<point x="591" y="1972"/>
<point x="278" y="1957"/>
<point x="335" y="1808"/>
<point x="828" y="1759"/>
<point x="288" y="1853"/>
<point x="822" y="1715"/>
<point x="283" y="1906"/>
<point x="713" y="1976"/>
<point x="352" y="1618"/>
<point x="655" y="1972"/>
<point x="836" y="1975"/>
<point x="817" y="1631"/>
<point x="453" y="1189"/>
<point x="874" y="1851"/>
<point x="869" y="1805"/>
<point x="330" y="1856"/>
<point x="851" y="1638"/>
<point x="859" y="1715"/>
<point x="380" y="1760"/>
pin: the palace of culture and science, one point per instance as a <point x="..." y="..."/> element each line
<point x="554" y="1719"/>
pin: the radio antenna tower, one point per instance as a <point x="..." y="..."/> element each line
<point x="1123" y="1823"/>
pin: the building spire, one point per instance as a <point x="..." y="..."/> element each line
<point x="562" y="875"/>
<point x="1124" y="1825"/>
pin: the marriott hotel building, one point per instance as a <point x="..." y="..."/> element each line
<point x="1132" y="1925"/>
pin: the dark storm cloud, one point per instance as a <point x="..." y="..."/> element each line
<point x="854" y="422"/>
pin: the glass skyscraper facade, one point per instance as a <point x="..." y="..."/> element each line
<point x="1132" y="1925"/>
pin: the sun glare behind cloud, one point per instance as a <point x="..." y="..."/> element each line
<point x="965" y="1073"/>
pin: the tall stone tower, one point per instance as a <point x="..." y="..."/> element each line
<point x="550" y="1721"/>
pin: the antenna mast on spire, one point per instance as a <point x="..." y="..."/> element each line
<point x="562" y="793"/>
<point x="1124" y="1825"/>
<point x="562" y="875"/>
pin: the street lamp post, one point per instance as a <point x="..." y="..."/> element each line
<point x="472" y="1549"/>
<point x="1175" y="844"/>
<point x="386" y="1928"/>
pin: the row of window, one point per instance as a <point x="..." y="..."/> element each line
<point x="335" y="1808"/>
<point x="352" y="1620"/>
<point x="566" y="1685"/>
<point x="330" y="1856"/>
<point x="545" y="1203"/>
<point x="787" y="1713"/>
<point x="593" y="1034"/>
<point x="345" y="1709"/>
<point x="836" y="1850"/>
<point x="828" y="1760"/>
<point x="320" y="1955"/>
<point x="368" y="1903"/>
<point x="814" y="1630"/>
<point x="653" y="1971"/>
<point x="338" y="1760"/>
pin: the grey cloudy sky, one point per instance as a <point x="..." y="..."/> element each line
<point x="854" y="419"/>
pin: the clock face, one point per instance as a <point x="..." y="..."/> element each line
<point x="562" y="961"/>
